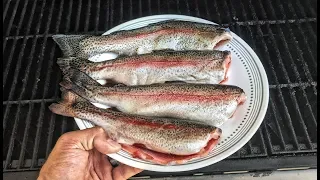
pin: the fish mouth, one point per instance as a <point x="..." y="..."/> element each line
<point x="224" y="39"/>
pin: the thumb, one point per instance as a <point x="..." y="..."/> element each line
<point x="88" y="139"/>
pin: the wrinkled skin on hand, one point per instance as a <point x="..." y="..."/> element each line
<point x="81" y="155"/>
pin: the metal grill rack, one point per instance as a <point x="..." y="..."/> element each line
<point x="282" y="33"/>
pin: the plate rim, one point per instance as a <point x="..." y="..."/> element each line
<point x="238" y="145"/>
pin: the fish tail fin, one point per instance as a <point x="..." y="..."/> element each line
<point x="61" y="109"/>
<point x="69" y="97"/>
<point x="78" y="87"/>
<point x="69" y="44"/>
<point x="80" y="77"/>
<point x="71" y="62"/>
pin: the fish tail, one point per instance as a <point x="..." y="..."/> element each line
<point x="70" y="62"/>
<point x="81" y="89"/>
<point x="69" y="97"/>
<point x="61" y="109"/>
<point x="76" y="88"/>
<point x="80" y="77"/>
<point x="69" y="44"/>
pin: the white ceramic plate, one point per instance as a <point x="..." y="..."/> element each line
<point x="246" y="71"/>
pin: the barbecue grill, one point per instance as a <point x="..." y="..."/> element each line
<point x="282" y="33"/>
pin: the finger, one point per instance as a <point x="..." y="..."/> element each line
<point x="88" y="139"/>
<point x="124" y="172"/>
<point x="106" y="146"/>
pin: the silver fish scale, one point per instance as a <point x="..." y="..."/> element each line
<point x="182" y="138"/>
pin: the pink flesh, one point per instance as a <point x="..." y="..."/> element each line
<point x="242" y="98"/>
<point x="220" y="43"/>
<point x="138" y="151"/>
<point x="226" y="65"/>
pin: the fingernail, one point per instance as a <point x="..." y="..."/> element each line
<point x="113" y="143"/>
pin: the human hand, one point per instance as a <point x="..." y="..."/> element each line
<point x="81" y="155"/>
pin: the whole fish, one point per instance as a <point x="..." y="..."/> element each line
<point x="209" y="103"/>
<point x="160" y="140"/>
<point x="171" y="34"/>
<point x="208" y="67"/>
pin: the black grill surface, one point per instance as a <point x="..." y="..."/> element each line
<point x="282" y="33"/>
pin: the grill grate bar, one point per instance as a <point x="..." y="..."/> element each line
<point x="50" y="134"/>
<point x="301" y="9"/>
<point x="240" y="23"/>
<point x="121" y="10"/>
<point x="262" y="142"/>
<point x="86" y="27"/>
<point x="197" y="8"/>
<point x="35" y="85"/>
<point x="227" y="11"/>
<point x="53" y="115"/>
<point x="304" y="65"/>
<point x="294" y="66"/>
<point x="11" y="143"/>
<point x="106" y="23"/>
<point x="158" y="6"/>
<point x="207" y="9"/>
<point x="12" y="17"/>
<point x="280" y="95"/>
<point x="178" y="6"/>
<point x="277" y="119"/>
<point x="130" y="9"/>
<point x="97" y="16"/>
<point x="244" y="13"/>
<point x="140" y="8"/>
<point x="149" y="7"/>
<point x="28" y="101"/>
<point x="168" y="7"/>
<point x="78" y="16"/>
<point x="6" y="113"/>
<point x="314" y="14"/>
<point x="269" y="141"/>
<point x="68" y="18"/>
<point x="5" y="11"/>
<point x="188" y="8"/>
<point x="111" y="13"/>
<point x="14" y="44"/>
<point x="64" y="124"/>
<point x="233" y="13"/>
<point x="265" y="49"/>
<point x="293" y="85"/>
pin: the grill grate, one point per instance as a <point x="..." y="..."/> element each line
<point x="283" y="34"/>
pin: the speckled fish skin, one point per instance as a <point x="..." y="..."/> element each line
<point x="206" y="67"/>
<point x="208" y="103"/>
<point x="172" y="34"/>
<point x="163" y="135"/>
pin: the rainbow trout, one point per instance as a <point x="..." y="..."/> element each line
<point x="209" y="103"/>
<point x="160" y="140"/>
<point x="206" y="67"/>
<point x="172" y="34"/>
